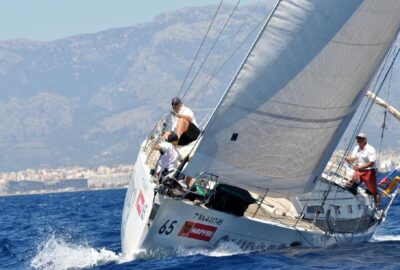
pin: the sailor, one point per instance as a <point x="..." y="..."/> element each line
<point x="364" y="170"/>
<point x="184" y="124"/>
<point x="170" y="156"/>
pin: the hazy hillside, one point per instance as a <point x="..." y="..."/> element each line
<point x="91" y="99"/>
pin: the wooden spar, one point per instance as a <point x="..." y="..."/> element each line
<point x="377" y="100"/>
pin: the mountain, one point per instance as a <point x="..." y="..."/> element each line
<point x="90" y="99"/>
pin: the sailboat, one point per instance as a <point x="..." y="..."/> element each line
<point x="260" y="165"/>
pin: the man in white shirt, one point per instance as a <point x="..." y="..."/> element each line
<point x="364" y="170"/>
<point x="184" y="125"/>
<point x="169" y="155"/>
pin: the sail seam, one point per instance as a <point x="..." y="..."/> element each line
<point x="310" y="107"/>
<point x="361" y="44"/>
<point x="290" y="118"/>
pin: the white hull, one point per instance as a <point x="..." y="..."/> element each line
<point x="155" y="221"/>
<point x="209" y="228"/>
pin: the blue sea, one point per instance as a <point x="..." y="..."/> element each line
<point x="81" y="230"/>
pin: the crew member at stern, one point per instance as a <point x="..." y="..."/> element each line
<point x="184" y="124"/>
<point x="364" y="170"/>
<point x="170" y="156"/>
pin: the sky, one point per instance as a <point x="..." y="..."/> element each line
<point x="46" y="20"/>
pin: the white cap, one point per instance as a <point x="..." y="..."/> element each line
<point x="361" y="135"/>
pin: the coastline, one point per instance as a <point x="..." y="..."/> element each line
<point x="61" y="191"/>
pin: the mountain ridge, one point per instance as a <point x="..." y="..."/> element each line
<point x="90" y="99"/>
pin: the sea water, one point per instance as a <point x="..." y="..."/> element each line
<point x="81" y="230"/>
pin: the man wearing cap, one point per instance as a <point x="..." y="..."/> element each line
<point x="169" y="155"/>
<point x="364" y="171"/>
<point x="184" y="124"/>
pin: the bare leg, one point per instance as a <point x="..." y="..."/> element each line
<point x="354" y="179"/>
<point x="188" y="181"/>
<point x="377" y="198"/>
<point x="182" y="126"/>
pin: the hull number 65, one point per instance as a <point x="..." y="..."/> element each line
<point x="167" y="227"/>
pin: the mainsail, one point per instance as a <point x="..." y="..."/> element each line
<point x="295" y="93"/>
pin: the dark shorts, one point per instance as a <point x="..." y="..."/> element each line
<point x="163" y="174"/>
<point x="190" y="135"/>
<point x="368" y="177"/>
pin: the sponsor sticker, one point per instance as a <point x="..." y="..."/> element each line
<point x="197" y="231"/>
<point x="140" y="203"/>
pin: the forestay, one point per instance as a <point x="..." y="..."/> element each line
<point x="295" y="93"/>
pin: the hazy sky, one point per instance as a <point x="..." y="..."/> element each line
<point x="53" y="19"/>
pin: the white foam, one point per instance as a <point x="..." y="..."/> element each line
<point x="124" y="258"/>
<point x="56" y="253"/>
<point x="222" y="250"/>
<point x="381" y="238"/>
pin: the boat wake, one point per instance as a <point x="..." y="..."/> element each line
<point x="384" y="238"/>
<point x="61" y="254"/>
<point x="222" y="250"/>
<point x="58" y="253"/>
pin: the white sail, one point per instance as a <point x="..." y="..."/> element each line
<point x="295" y="93"/>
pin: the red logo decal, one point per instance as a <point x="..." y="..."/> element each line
<point x="197" y="231"/>
<point x="140" y="203"/>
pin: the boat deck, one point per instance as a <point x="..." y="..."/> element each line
<point x="277" y="216"/>
<point x="264" y="213"/>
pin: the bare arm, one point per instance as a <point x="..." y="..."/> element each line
<point x="157" y="147"/>
<point x="366" y="165"/>
<point x="180" y="159"/>
<point x="188" y="118"/>
<point x="350" y="159"/>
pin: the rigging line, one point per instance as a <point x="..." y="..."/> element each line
<point x="203" y="109"/>
<point x="367" y="109"/>
<point x="201" y="45"/>
<point x="230" y="57"/>
<point x="204" y="119"/>
<point x="358" y="126"/>
<point x="360" y="122"/>
<point x="305" y="238"/>
<point x="216" y="109"/>
<point x="369" y="103"/>
<point x="302" y="211"/>
<point x="365" y="112"/>
<point x="218" y="69"/>
<point x="379" y="89"/>
<point x="365" y="208"/>
<point x="385" y="113"/>
<point x="384" y="118"/>
<point x="301" y="215"/>
<point x="210" y="50"/>
<point x="363" y="116"/>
